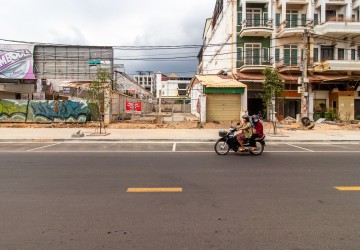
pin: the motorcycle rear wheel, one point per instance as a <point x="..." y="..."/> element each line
<point x="221" y="147"/>
<point x="259" y="148"/>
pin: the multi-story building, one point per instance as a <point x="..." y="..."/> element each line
<point x="172" y="86"/>
<point x="315" y="43"/>
<point x="146" y="80"/>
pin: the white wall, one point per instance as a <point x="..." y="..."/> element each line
<point x="221" y="57"/>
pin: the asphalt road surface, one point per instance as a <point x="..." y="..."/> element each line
<point x="178" y="196"/>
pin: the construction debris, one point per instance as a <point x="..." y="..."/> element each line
<point x="288" y="120"/>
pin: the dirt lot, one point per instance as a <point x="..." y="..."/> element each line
<point x="151" y="124"/>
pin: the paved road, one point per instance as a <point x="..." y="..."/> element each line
<point x="165" y="147"/>
<point x="75" y="196"/>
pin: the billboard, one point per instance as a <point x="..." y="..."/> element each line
<point x="16" y="61"/>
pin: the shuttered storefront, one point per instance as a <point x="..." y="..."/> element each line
<point x="223" y="107"/>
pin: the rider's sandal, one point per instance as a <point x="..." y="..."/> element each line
<point x="242" y="149"/>
<point x="253" y="149"/>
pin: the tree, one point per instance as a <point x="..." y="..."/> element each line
<point x="99" y="90"/>
<point x="273" y="91"/>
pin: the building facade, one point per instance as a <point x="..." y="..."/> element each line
<point x="146" y="80"/>
<point x="172" y="86"/>
<point x="313" y="45"/>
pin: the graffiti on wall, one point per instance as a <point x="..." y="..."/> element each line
<point x="43" y="111"/>
<point x="13" y="110"/>
<point x="57" y="111"/>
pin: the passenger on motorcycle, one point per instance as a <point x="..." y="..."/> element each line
<point x="258" y="131"/>
<point x="246" y="132"/>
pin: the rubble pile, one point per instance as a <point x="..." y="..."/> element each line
<point x="288" y="120"/>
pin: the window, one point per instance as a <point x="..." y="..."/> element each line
<point x="182" y="85"/>
<point x="252" y="53"/>
<point x="277" y="55"/>
<point x="353" y="56"/>
<point x="341" y="54"/>
<point x="253" y="17"/>
<point x="316" y="19"/>
<point x="316" y="54"/>
<point x="277" y="20"/>
<point x="291" y="18"/>
<point x="240" y="54"/>
<point x="239" y="21"/>
<point x="290" y="55"/>
<point x="327" y="53"/>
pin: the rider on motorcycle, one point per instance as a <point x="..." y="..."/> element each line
<point x="246" y="132"/>
<point x="258" y="131"/>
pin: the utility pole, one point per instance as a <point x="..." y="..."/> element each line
<point x="306" y="101"/>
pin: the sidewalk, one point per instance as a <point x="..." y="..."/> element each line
<point x="204" y="135"/>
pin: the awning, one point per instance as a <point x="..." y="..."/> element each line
<point x="218" y="81"/>
<point x="250" y="76"/>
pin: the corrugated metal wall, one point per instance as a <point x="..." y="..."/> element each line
<point x="70" y="62"/>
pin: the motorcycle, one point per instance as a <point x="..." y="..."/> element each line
<point x="229" y="142"/>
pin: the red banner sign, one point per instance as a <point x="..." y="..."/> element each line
<point x="136" y="107"/>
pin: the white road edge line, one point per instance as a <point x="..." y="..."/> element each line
<point x="30" y="150"/>
<point x="82" y="151"/>
<point x="300" y="147"/>
<point x="174" y="147"/>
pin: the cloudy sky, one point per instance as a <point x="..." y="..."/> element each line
<point x="113" y="23"/>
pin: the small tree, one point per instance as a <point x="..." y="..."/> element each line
<point x="98" y="91"/>
<point x="274" y="90"/>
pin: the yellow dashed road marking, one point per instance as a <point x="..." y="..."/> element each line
<point x="348" y="188"/>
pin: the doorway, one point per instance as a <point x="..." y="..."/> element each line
<point x="292" y="107"/>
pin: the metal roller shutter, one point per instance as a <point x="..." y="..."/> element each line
<point x="223" y="107"/>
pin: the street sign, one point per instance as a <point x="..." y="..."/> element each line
<point x="94" y="62"/>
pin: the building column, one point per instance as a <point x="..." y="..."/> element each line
<point x="272" y="7"/>
<point x="202" y="108"/>
<point x="283" y="15"/>
<point x="244" y="101"/>
<point x="323" y="13"/>
<point x="310" y="11"/>
<point x="348" y="11"/>
<point x="243" y="10"/>
<point x="311" y="106"/>
<point x="270" y="12"/>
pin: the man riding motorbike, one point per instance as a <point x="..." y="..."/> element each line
<point x="258" y="131"/>
<point x="246" y="131"/>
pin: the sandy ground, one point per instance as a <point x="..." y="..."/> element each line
<point x="190" y="124"/>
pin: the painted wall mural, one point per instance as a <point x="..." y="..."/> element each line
<point x="57" y="111"/>
<point x="13" y="110"/>
<point x="43" y="111"/>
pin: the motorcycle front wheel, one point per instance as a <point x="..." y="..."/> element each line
<point x="259" y="148"/>
<point x="221" y="147"/>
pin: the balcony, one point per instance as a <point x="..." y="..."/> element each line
<point x="292" y="28"/>
<point x="338" y="27"/>
<point x="337" y="65"/>
<point x="288" y="64"/>
<point x="253" y="64"/>
<point x="297" y="2"/>
<point x="255" y="27"/>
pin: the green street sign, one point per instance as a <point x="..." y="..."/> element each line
<point x="94" y="62"/>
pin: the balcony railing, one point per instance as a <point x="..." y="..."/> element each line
<point x="256" y="23"/>
<point x="253" y="61"/>
<point x="341" y="19"/>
